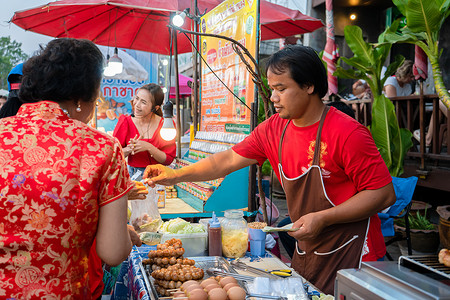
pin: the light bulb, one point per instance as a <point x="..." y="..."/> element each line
<point x="164" y="62"/>
<point x="108" y="72"/>
<point x="168" y="131"/>
<point x="115" y="62"/>
<point x="116" y="65"/>
<point x="178" y="20"/>
<point x="164" y="89"/>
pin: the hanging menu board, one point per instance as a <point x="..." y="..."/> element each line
<point x="221" y="111"/>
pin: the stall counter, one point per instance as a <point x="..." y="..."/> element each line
<point x="131" y="283"/>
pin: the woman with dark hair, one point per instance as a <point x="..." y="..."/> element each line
<point x="140" y="135"/>
<point x="64" y="183"/>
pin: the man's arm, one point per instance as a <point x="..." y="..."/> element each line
<point x="361" y="206"/>
<point x="215" y="166"/>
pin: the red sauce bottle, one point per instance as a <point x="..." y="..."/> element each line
<point x="214" y="237"/>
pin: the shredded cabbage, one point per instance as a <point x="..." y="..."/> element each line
<point x="180" y="226"/>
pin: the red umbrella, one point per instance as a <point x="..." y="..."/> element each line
<point x="185" y="90"/>
<point x="278" y="21"/>
<point x="142" y="24"/>
<point x="131" y="24"/>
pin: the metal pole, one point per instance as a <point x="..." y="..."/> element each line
<point x="195" y="72"/>
<point x="177" y="93"/>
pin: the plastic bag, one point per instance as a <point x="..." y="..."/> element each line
<point x="145" y="216"/>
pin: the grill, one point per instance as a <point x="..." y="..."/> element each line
<point x="412" y="277"/>
<point x="426" y="264"/>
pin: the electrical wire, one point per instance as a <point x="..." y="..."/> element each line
<point x="243" y="102"/>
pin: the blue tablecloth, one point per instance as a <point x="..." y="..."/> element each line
<point x="130" y="283"/>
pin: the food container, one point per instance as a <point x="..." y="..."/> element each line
<point x="234" y="234"/>
<point x="194" y="244"/>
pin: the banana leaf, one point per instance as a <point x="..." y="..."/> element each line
<point x="392" y="141"/>
<point x="424" y="20"/>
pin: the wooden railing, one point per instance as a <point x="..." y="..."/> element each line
<point x="415" y="112"/>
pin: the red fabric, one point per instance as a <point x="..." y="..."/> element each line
<point x="142" y="24"/>
<point x="420" y="68"/>
<point x="330" y="53"/>
<point x="55" y="174"/>
<point x="350" y="161"/>
<point x="126" y="130"/>
<point x="95" y="273"/>
<point x="185" y="90"/>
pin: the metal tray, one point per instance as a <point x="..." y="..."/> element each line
<point x="203" y="262"/>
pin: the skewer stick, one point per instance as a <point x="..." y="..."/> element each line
<point x="173" y="290"/>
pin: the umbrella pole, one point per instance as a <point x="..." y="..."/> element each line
<point x="195" y="75"/>
<point x="177" y="92"/>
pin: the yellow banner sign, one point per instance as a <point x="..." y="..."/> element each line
<point x="227" y="89"/>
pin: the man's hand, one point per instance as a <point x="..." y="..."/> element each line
<point x="159" y="174"/>
<point x="138" y="192"/>
<point x="311" y="225"/>
<point x="135" y="240"/>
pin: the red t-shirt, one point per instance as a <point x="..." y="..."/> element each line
<point x="350" y="161"/>
<point x="56" y="173"/>
<point x="126" y="130"/>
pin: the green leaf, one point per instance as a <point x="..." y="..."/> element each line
<point x="423" y="16"/>
<point x="399" y="59"/>
<point x="390" y="30"/>
<point x="357" y="63"/>
<point x="397" y="38"/>
<point x="349" y="74"/>
<point x="381" y="112"/>
<point x="401" y="5"/>
<point x="355" y="41"/>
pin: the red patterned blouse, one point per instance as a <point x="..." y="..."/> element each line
<point x="55" y="173"/>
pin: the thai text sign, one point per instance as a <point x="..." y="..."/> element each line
<point x="220" y="109"/>
<point x="114" y="101"/>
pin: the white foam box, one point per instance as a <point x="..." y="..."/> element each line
<point x="194" y="244"/>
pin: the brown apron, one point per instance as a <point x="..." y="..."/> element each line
<point x="338" y="246"/>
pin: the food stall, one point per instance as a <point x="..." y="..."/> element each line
<point x="135" y="280"/>
<point x="200" y="199"/>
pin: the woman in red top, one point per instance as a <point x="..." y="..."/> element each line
<point x="140" y="135"/>
<point x="63" y="183"/>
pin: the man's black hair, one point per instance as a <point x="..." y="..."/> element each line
<point x="304" y="66"/>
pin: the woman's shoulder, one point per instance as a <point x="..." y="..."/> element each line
<point x="124" y="119"/>
<point x="391" y="80"/>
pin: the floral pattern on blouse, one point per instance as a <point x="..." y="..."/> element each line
<point x="55" y="173"/>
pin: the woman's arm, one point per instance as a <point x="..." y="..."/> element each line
<point x="390" y="91"/>
<point x="113" y="239"/>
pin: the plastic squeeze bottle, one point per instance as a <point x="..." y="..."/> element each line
<point x="214" y="236"/>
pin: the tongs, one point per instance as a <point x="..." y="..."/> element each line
<point x="243" y="266"/>
<point x="220" y="272"/>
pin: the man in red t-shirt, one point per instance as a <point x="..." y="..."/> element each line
<point x="331" y="191"/>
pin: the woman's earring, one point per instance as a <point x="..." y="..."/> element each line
<point x="78" y="109"/>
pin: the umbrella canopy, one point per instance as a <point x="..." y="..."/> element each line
<point x="278" y="21"/>
<point x="142" y="24"/>
<point x="131" y="24"/>
<point x="132" y="69"/>
<point x="185" y="90"/>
